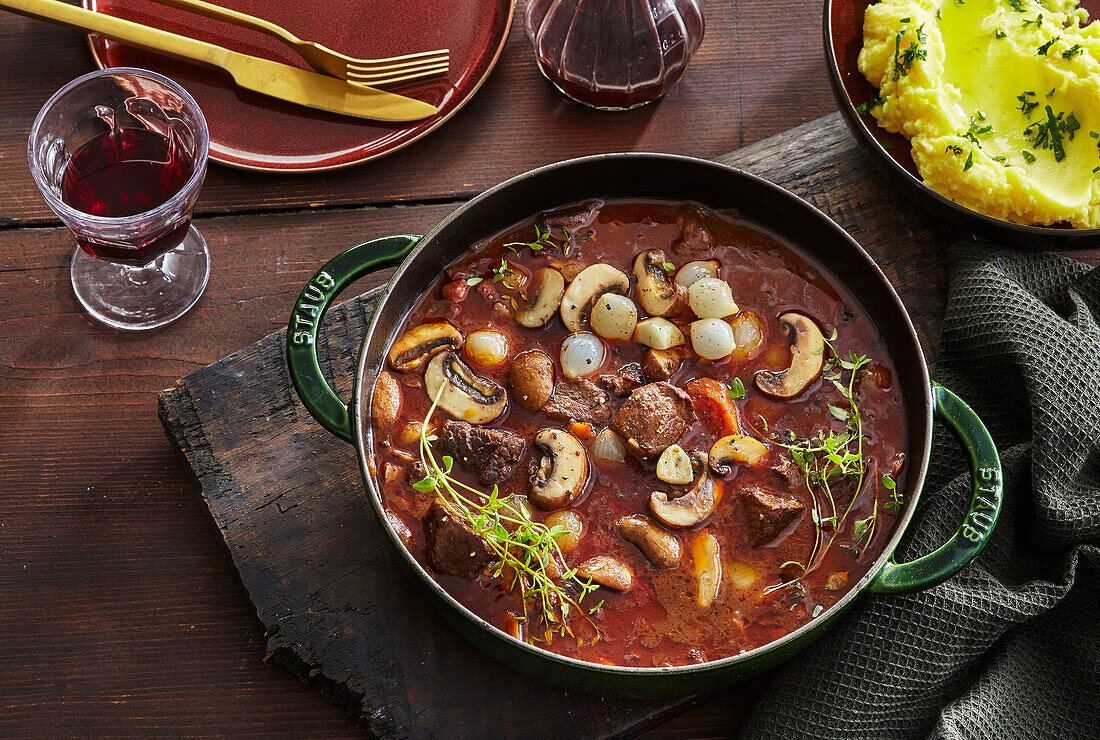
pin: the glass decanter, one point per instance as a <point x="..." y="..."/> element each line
<point x="614" y="54"/>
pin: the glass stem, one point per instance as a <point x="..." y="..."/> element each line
<point x="139" y="275"/>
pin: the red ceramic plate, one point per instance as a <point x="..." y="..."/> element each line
<point x="252" y="131"/>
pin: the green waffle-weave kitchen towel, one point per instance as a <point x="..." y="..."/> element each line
<point x="1010" y="647"/>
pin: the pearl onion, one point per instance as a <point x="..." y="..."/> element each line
<point x="574" y="528"/>
<point x="614" y="316"/>
<point x="608" y="447"/>
<point x="711" y="298"/>
<point x="581" y="354"/>
<point x="748" y="333"/>
<point x="486" y="347"/>
<point x="695" y="271"/>
<point x="712" y="339"/>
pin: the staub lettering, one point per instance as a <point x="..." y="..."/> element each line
<point x="305" y="314"/>
<point x="987" y="498"/>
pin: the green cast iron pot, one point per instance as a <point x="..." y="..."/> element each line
<point x="649" y="176"/>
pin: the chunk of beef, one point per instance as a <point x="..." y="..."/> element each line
<point x="624" y="380"/>
<point x="787" y="471"/>
<point x="578" y="402"/>
<point x="695" y="238"/>
<point x="454" y="549"/>
<point x="767" y="515"/>
<point x="654" y="417"/>
<point x="491" y="454"/>
<point x="570" y="220"/>
<point x="415" y="473"/>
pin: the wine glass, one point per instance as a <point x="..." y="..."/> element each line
<point x="120" y="155"/>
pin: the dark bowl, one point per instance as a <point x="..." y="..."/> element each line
<point x="646" y="176"/>
<point x="890" y="153"/>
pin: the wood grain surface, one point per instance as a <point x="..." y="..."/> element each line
<point x="337" y="608"/>
<point x="120" y="612"/>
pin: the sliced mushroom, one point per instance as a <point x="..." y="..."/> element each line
<point x="586" y="288"/>
<point x="416" y="346"/>
<point x="559" y="470"/>
<point x="660" y="547"/>
<point x="543" y="298"/>
<point x="466" y="395"/>
<point x="658" y="293"/>
<point x="662" y="364"/>
<point x="807" y="359"/>
<point x="687" y="510"/>
<point x="385" y="404"/>
<point x="735" y="449"/>
<point x="531" y="377"/>
<point x="707" y="561"/>
<point x="608" y="572"/>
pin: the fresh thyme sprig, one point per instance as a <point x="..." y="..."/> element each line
<point x="499" y="274"/>
<point x="828" y="459"/>
<point x="528" y="557"/>
<point x="543" y="240"/>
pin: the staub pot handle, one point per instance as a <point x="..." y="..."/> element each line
<point x="309" y="311"/>
<point x="985" y="505"/>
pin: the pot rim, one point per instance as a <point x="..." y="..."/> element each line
<point x="363" y="443"/>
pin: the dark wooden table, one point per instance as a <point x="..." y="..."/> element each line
<point x="119" y="610"/>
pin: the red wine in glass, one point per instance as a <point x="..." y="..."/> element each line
<point x="124" y="172"/>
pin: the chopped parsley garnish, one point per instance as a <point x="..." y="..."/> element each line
<point x="975" y="130"/>
<point x="1026" y="106"/>
<point x="904" y="60"/>
<point x="969" y="161"/>
<point x="1001" y="160"/>
<point x="737" y="389"/>
<point x="1042" y="50"/>
<point x="1037" y="22"/>
<point x="867" y="106"/>
<point x="939" y="15"/>
<point x="1048" y="134"/>
<point x="1017" y="5"/>
<point x="1094" y="135"/>
<point x="906" y="19"/>
<point x="1072" y="51"/>
<point x="1051" y="91"/>
<point x="1028" y="156"/>
<point x="999" y="34"/>
<point x="958" y="150"/>
<point x="1071" y="126"/>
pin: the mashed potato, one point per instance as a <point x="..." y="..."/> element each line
<point x="999" y="98"/>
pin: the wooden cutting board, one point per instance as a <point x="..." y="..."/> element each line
<point x="337" y="608"/>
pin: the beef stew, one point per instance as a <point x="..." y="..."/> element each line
<point x="655" y="434"/>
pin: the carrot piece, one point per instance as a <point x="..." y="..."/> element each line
<point x="713" y="406"/>
<point x="581" y="430"/>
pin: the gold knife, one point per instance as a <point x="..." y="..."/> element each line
<point x="260" y="75"/>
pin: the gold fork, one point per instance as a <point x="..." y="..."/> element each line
<point x="374" y="72"/>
